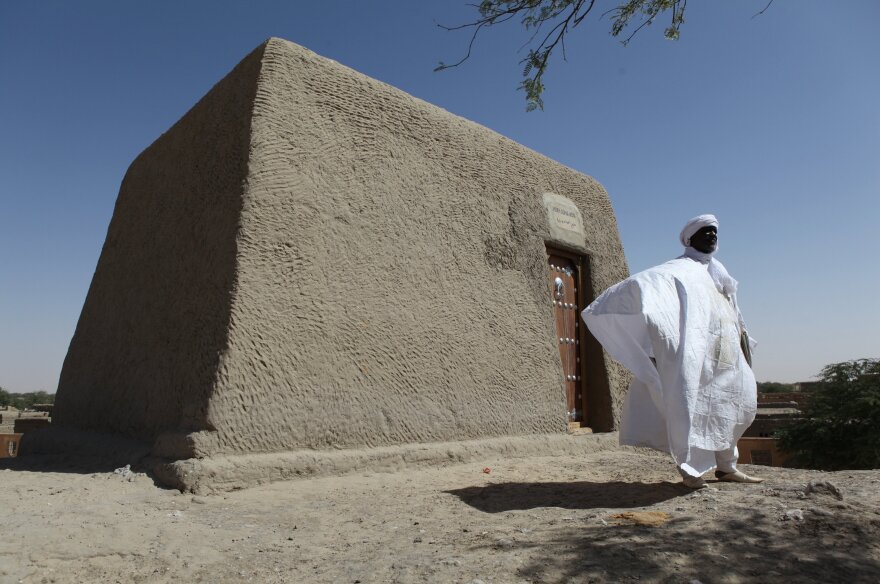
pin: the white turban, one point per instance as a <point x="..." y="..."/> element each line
<point x="695" y="225"/>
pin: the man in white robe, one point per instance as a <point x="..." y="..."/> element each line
<point x="677" y="328"/>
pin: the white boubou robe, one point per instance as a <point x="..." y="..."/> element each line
<point x="676" y="327"/>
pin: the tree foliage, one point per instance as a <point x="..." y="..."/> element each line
<point x="551" y="20"/>
<point x="775" y="387"/>
<point x="841" y="427"/>
<point x="21" y="401"/>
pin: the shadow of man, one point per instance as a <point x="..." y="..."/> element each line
<point x="501" y="497"/>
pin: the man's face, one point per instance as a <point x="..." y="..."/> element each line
<point x="705" y="240"/>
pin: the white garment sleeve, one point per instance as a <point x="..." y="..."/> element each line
<point x="617" y="321"/>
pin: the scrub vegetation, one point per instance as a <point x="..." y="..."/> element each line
<point x="841" y="425"/>
<point x="775" y="387"/>
<point x="22" y="401"/>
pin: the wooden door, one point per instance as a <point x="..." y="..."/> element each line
<point x="564" y="281"/>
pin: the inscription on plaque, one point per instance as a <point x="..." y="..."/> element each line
<point x="566" y="217"/>
<point x="564" y="220"/>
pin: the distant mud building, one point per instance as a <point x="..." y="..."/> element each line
<point x="311" y="260"/>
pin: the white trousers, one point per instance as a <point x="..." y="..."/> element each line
<point x="700" y="461"/>
<point x="726" y="459"/>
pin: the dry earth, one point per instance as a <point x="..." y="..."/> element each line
<point x="540" y="519"/>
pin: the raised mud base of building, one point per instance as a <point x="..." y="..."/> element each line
<point x="228" y="473"/>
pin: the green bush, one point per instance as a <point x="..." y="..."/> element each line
<point x="775" y="387"/>
<point x="21" y="401"/>
<point x="841" y="425"/>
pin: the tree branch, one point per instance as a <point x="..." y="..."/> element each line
<point x="763" y="11"/>
<point x="479" y="25"/>
<point x="640" y="27"/>
<point x="561" y="16"/>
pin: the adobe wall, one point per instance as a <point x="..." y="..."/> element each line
<point x="392" y="272"/>
<point x="802" y="398"/>
<point x="312" y="259"/>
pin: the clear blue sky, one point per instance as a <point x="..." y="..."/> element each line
<point x="772" y="123"/>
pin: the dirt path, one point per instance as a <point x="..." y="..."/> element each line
<point x="540" y="519"/>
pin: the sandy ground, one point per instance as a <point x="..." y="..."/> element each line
<point x="540" y="519"/>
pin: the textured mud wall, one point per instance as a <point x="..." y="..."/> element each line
<point x="392" y="272"/>
<point x="314" y="259"/>
<point x="145" y="352"/>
